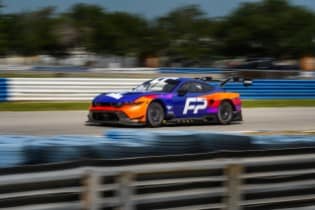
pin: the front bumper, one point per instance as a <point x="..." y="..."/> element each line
<point x="111" y="118"/>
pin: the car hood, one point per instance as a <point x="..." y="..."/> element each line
<point x="122" y="97"/>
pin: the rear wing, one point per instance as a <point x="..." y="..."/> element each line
<point x="246" y="82"/>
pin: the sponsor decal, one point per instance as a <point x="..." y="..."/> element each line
<point x="169" y="107"/>
<point x="195" y="104"/>
<point x="115" y="95"/>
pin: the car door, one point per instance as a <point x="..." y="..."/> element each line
<point x="189" y="103"/>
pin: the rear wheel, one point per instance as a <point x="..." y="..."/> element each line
<point x="225" y="113"/>
<point x="155" y="114"/>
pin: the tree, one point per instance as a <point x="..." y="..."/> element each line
<point x="106" y="33"/>
<point x="268" y="28"/>
<point x="188" y="33"/>
<point x="121" y="33"/>
<point x="82" y="20"/>
<point x="265" y="28"/>
<point x="3" y="34"/>
<point x="32" y="33"/>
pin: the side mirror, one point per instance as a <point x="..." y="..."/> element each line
<point x="182" y="92"/>
<point x="247" y="82"/>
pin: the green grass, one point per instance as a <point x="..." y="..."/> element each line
<point x="279" y="103"/>
<point x="55" y="106"/>
<point x="43" y="106"/>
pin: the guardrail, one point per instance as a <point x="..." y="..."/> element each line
<point x="232" y="181"/>
<point x="67" y="89"/>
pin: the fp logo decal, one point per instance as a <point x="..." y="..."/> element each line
<point x="195" y="104"/>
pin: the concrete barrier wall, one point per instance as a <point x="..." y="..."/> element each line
<point x="69" y="89"/>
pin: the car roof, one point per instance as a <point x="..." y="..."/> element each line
<point x="181" y="79"/>
<point x="186" y="79"/>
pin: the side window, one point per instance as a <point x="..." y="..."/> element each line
<point x="195" y="87"/>
<point x="185" y="87"/>
<point x="206" y="88"/>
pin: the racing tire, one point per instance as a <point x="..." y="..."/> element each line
<point x="225" y="113"/>
<point x="155" y="114"/>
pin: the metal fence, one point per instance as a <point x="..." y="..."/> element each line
<point x="254" y="180"/>
<point x="67" y="89"/>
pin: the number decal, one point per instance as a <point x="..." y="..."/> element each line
<point x="195" y="104"/>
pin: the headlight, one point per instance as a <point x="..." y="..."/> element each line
<point x="138" y="102"/>
<point x="120" y="104"/>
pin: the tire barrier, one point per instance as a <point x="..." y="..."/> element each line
<point x="167" y="70"/>
<point x="62" y="148"/>
<point x="283" y="142"/>
<point x="275" y="89"/>
<point x="117" y="144"/>
<point x="12" y="152"/>
<point x="183" y="142"/>
<point x="69" y="89"/>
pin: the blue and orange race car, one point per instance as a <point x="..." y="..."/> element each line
<point x="168" y="99"/>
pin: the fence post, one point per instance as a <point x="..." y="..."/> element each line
<point x="91" y="196"/>
<point x="126" y="191"/>
<point x="233" y="184"/>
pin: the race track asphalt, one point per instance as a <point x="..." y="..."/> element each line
<point x="73" y="122"/>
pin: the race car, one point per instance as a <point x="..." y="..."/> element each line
<point x="167" y="99"/>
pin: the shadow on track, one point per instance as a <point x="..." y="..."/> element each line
<point x="165" y="125"/>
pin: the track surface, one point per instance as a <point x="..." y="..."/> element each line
<point x="73" y="122"/>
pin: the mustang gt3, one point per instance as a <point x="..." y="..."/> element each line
<point x="165" y="100"/>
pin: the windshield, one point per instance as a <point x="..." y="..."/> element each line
<point x="157" y="85"/>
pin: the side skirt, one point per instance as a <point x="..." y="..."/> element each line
<point x="237" y="116"/>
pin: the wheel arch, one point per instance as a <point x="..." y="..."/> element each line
<point x="229" y="101"/>
<point x="161" y="103"/>
<point x="154" y="124"/>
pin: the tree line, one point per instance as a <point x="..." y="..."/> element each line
<point x="269" y="28"/>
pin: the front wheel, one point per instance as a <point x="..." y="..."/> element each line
<point x="155" y="114"/>
<point x="225" y="113"/>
